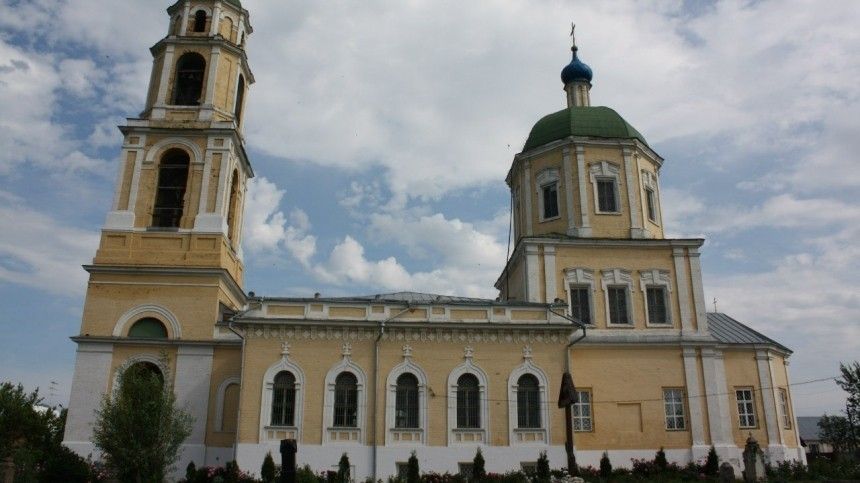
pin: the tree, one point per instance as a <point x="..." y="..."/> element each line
<point x="267" y="471"/>
<point x="413" y="473"/>
<point x="542" y="470"/>
<point x="836" y="431"/>
<point x="850" y="383"/>
<point x="343" y="469"/>
<point x="712" y="464"/>
<point x="605" y="466"/>
<point x="138" y="428"/>
<point x="478" y="471"/>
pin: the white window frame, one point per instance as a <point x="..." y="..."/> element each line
<point x="329" y="431"/>
<point x="649" y="182"/>
<point x="602" y="171"/>
<point x="547" y="178"/>
<point x="656" y="278"/>
<point x="667" y="405"/>
<point x="276" y="433"/>
<point x="528" y="436"/>
<point x="576" y="408"/>
<point x="784" y="408"/>
<point x="456" y="437"/>
<point x="614" y="278"/>
<point x="580" y="278"/>
<point x="393" y="435"/>
<point x="751" y="401"/>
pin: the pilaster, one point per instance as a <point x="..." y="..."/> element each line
<point x="698" y="291"/>
<point x="717" y="396"/>
<point x="89" y="383"/>
<point x="191" y="384"/>
<point x="694" y="400"/>
<point x="768" y="400"/>
<point x="549" y="269"/>
<point x="585" y="229"/>
<point x="567" y="173"/>
<point x="636" y="230"/>
<point x="527" y="196"/>
<point x="681" y="274"/>
<point x="532" y="277"/>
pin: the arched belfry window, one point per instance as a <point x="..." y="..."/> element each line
<point x="170" y="194"/>
<point x="407" y="404"/>
<point x="200" y="21"/>
<point x="234" y="206"/>
<point x="189" y="79"/>
<point x="240" y="98"/>
<point x="346" y="401"/>
<point x="528" y="402"/>
<point x="148" y="328"/>
<point x="468" y="402"/>
<point x="284" y="399"/>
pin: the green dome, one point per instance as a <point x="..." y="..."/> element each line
<point x="595" y="122"/>
<point x="234" y="2"/>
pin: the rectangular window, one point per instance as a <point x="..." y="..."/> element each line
<point x="783" y="404"/>
<point x="606" y="201"/>
<point x="618" y="305"/>
<point x="580" y="304"/>
<point x="582" y="421"/>
<point x="649" y="200"/>
<point x="402" y="471"/>
<point x="746" y="408"/>
<point x="657" y="311"/>
<point x="673" y="402"/>
<point x="465" y="470"/>
<point x="529" y="467"/>
<point x="550" y="201"/>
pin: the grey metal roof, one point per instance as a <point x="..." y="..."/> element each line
<point x="417" y="298"/>
<point x="729" y="331"/>
<point x="808" y="428"/>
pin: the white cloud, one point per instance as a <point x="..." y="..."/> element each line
<point x="39" y="251"/>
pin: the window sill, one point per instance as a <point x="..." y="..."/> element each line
<point x="667" y="325"/>
<point x="168" y="229"/>
<point x="554" y="218"/>
<point x="612" y="213"/>
<point x="529" y="436"/>
<point x="682" y="430"/>
<point x="620" y="326"/>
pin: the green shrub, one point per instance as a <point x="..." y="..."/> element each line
<point x="712" y="464"/>
<point x="267" y="471"/>
<point x="413" y="473"/>
<point x="660" y="460"/>
<point x="542" y="471"/>
<point x="343" y="469"/>
<point x="478" y="471"/>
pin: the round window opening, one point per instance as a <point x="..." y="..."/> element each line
<point x="148" y="328"/>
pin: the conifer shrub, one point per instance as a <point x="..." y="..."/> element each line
<point x="605" y="466"/>
<point x="660" y="460"/>
<point x="267" y="471"/>
<point x="712" y="464"/>
<point x="191" y="472"/>
<point x="413" y="472"/>
<point x="343" y="469"/>
<point x="478" y="471"/>
<point x="542" y="470"/>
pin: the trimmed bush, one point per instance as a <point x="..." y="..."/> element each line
<point x="712" y="464"/>
<point x="605" y="466"/>
<point x="413" y="473"/>
<point x="542" y="471"/>
<point x="343" y="469"/>
<point x="267" y="471"/>
<point x="660" y="460"/>
<point x="478" y="471"/>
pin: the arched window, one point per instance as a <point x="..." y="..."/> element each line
<point x="346" y="401"/>
<point x="240" y="98"/>
<point x="144" y="370"/>
<point x="230" y="408"/>
<point x="284" y="399"/>
<point x="406" y="405"/>
<point x="169" y="197"/>
<point x="148" y="328"/>
<point x="528" y="402"/>
<point x="189" y="79"/>
<point x="200" y="21"/>
<point x="233" y="206"/>
<point x="468" y="402"/>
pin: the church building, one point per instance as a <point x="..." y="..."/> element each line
<point x="592" y="285"/>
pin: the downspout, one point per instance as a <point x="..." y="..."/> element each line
<point x="376" y="385"/>
<point x="567" y="382"/>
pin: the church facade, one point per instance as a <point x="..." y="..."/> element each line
<point x="593" y="286"/>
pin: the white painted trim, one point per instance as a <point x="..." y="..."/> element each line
<point x="410" y="367"/>
<point x="532" y="287"/>
<point x="549" y="268"/>
<point x="585" y="230"/>
<point x="615" y="277"/>
<point x="568" y="186"/>
<point x="605" y="170"/>
<point x="133" y="315"/>
<point x="656" y="278"/>
<point x="694" y="402"/>
<point x="528" y="367"/>
<point x="468" y="366"/>
<point x="649" y="182"/>
<point x="135" y="359"/>
<point x="204" y="184"/>
<point x="283" y="364"/>
<point x="219" y="400"/>
<point x="216" y="20"/>
<point x="683" y="289"/>
<point x="768" y="399"/>
<point x="157" y="149"/>
<point x="345" y="365"/>
<point x="580" y="277"/>
<point x="630" y="170"/>
<point x="528" y="196"/>
<point x="719" y="419"/>
<point x="698" y="291"/>
<point x="161" y="98"/>
<point x="135" y="183"/>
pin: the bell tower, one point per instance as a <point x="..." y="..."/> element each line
<point x="169" y="266"/>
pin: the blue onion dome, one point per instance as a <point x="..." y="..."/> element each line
<point x="576" y="70"/>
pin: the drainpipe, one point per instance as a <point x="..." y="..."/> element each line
<point x="376" y="385"/>
<point x="567" y="381"/>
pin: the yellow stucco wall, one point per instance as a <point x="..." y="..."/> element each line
<point x="226" y="363"/>
<point x="742" y="372"/>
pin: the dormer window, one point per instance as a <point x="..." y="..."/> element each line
<point x="547" y="186"/>
<point x="200" y="21"/>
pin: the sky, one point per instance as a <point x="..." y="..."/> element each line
<point x="381" y="133"/>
